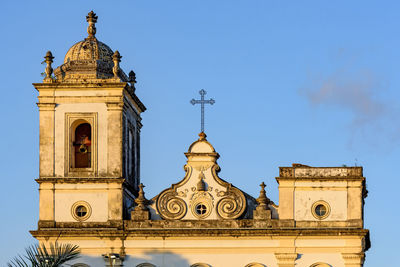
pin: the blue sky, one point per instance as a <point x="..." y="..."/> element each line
<point x="312" y="82"/>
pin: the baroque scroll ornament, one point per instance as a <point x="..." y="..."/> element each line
<point x="171" y="207"/>
<point x="232" y="205"/>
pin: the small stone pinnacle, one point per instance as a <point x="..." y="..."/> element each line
<point x="91" y="18"/>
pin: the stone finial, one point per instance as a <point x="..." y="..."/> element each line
<point x="116" y="59"/>
<point x="201" y="185"/>
<point x="141" y="211"/>
<point x="262" y="211"/>
<point x="91" y="18"/>
<point x="141" y="201"/>
<point x="202" y="136"/>
<point x="132" y="77"/>
<point x="262" y="200"/>
<point x="49" y="70"/>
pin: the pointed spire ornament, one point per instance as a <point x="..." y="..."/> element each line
<point x="262" y="200"/>
<point x="141" y="211"/>
<point x="141" y="201"/>
<point x="91" y="18"/>
<point x="262" y="212"/>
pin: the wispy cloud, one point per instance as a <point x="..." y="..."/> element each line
<point x="360" y="94"/>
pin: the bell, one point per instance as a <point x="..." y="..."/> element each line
<point x="83" y="149"/>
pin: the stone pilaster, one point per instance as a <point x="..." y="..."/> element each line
<point x="115" y="201"/>
<point x="286" y="198"/>
<point x="46" y="139"/>
<point x="353" y="259"/>
<point x="286" y="259"/>
<point x="114" y="138"/>
<point x="46" y="204"/>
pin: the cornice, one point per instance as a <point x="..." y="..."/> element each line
<point x="199" y="232"/>
<point x="101" y="85"/>
<point x="46" y="106"/>
<point x="354" y="258"/>
<point x="323" y="179"/>
<point x="117" y="105"/>
<point x="294" y="171"/>
<point x="138" y="102"/>
<point x="211" y="154"/>
<point x="74" y="180"/>
<point x="286" y="258"/>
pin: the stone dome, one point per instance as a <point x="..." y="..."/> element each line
<point x="89" y="49"/>
<point x="90" y="59"/>
<point x="201" y="145"/>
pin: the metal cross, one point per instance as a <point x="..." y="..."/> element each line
<point x="211" y="101"/>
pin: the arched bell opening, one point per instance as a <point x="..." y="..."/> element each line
<point x="82" y="145"/>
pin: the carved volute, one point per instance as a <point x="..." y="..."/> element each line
<point x="201" y="194"/>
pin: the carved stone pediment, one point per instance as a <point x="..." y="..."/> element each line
<point x="201" y="194"/>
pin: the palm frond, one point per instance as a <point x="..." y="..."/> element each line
<point x="18" y="262"/>
<point x="42" y="256"/>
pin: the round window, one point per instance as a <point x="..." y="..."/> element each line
<point x="81" y="210"/>
<point x="201" y="206"/>
<point x="201" y="209"/>
<point x="320" y="210"/>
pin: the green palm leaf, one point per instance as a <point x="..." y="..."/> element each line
<point x="40" y="256"/>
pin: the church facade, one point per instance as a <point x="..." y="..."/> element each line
<point x="91" y="195"/>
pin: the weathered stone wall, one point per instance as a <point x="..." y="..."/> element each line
<point x="340" y="189"/>
<point x="276" y="251"/>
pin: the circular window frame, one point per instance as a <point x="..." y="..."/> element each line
<point x="202" y="210"/>
<point x="326" y="205"/>
<point x="205" y="204"/>
<point x="74" y="213"/>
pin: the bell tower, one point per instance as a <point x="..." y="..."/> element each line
<point x="90" y="123"/>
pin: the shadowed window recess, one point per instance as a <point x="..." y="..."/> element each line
<point x="82" y="145"/>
